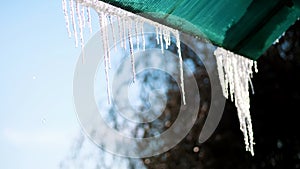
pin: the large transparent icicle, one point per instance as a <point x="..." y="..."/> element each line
<point x="126" y="31"/>
<point x="235" y="73"/>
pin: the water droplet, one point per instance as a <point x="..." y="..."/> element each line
<point x="44" y="121"/>
<point x="279" y="144"/>
<point x="196" y="149"/>
<point x="147" y="161"/>
<point x="168" y="123"/>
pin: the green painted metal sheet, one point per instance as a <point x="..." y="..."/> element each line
<point x="246" y="27"/>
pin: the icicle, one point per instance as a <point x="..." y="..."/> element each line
<point x="107" y="40"/>
<point x="102" y="18"/>
<point x="157" y="36"/>
<point x="120" y="30"/>
<point x="137" y="35"/>
<point x="161" y="40"/>
<point x="124" y="33"/>
<point x="79" y="17"/>
<point x="221" y="74"/>
<point x="251" y="85"/>
<point x="255" y="67"/>
<point x="89" y="19"/>
<point x="166" y="37"/>
<point x="113" y="33"/>
<point x="235" y="74"/>
<point x="131" y="50"/>
<point x="180" y="64"/>
<point x="65" y="10"/>
<point x="72" y="13"/>
<point x="104" y="10"/>
<point x="143" y="36"/>
<point x="83" y="17"/>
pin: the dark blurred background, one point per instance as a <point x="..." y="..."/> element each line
<point x="274" y="109"/>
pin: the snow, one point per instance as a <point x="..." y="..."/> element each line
<point x="235" y="73"/>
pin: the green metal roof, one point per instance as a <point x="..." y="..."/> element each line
<point x="246" y="27"/>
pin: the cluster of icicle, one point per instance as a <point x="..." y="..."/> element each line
<point x="235" y="73"/>
<point x="129" y="25"/>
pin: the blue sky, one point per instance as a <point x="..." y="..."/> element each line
<point x="38" y="121"/>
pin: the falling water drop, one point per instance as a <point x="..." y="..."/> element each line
<point x="43" y="121"/>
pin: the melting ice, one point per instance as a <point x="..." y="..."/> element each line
<point x="235" y="73"/>
<point x="126" y="22"/>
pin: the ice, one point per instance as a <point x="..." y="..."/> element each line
<point x="235" y="74"/>
<point x="120" y="30"/>
<point x="126" y="32"/>
<point x="167" y="39"/>
<point x="143" y="35"/>
<point x="137" y="35"/>
<point x="82" y="13"/>
<point x="65" y="11"/>
<point x="131" y="49"/>
<point x="72" y="14"/>
<point x="180" y="65"/>
<point x="107" y="50"/>
<point x="102" y="18"/>
<point x="157" y="36"/>
<point x="89" y="19"/>
<point x="161" y="40"/>
<point x="80" y="24"/>
<point x="113" y="32"/>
